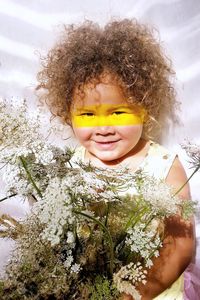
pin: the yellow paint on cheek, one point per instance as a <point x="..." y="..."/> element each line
<point x="107" y="115"/>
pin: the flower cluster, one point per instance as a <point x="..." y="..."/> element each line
<point x="144" y="241"/>
<point x="193" y="151"/>
<point x="128" y="277"/>
<point x="84" y="224"/>
<point x="55" y="210"/>
<point x="154" y="195"/>
<point x="19" y="133"/>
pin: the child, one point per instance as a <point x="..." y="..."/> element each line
<point x="111" y="85"/>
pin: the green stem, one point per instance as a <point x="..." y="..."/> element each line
<point x="24" y="164"/>
<point x="186" y="181"/>
<point x="107" y="213"/>
<point x="13" y="195"/>
<point x="154" y="250"/>
<point x="133" y="217"/>
<point x="108" y="236"/>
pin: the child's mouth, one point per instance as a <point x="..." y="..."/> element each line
<point x="106" y="142"/>
<point x="106" y="145"/>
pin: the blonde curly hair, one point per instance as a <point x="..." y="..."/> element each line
<point x="124" y="48"/>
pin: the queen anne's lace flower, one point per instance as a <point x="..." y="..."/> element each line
<point x="19" y="132"/>
<point x="193" y="151"/>
<point x="14" y="181"/>
<point x="55" y="211"/>
<point x="128" y="277"/>
<point x="75" y="268"/>
<point x="144" y="242"/>
<point x="160" y="197"/>
<point x="45" y="156"/>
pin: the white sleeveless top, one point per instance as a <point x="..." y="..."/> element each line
<point x="157" y="162"/>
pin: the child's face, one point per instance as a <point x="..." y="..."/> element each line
<point x="104" y="123"/>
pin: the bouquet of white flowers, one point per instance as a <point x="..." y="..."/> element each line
<point x="86" y="237"/>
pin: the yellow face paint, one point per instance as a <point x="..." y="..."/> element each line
<point x="108" y="115"/>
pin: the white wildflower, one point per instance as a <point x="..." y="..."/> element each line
<point x="10" y="175"/>
<point x="70" y="237"/>
<point x="149" y="263"/>
<point x="45" y="155"/>
<point x="14" y="181"/>
<point x="91" y="179"/>
<point x="128" y="277"/>
<point x="160" y="196"/>
<point x="128" y="288"/>
<point x="55" y="210"/>
<point x="193" y="151"/>
<point x="108" y="196"/>
<point x="20" y="133"/>
<point x="143" y="241"/>
<point x="75" y="268"/>
<point x="68" y="262"/>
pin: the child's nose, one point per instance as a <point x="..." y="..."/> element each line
<point x="104" y="130"/>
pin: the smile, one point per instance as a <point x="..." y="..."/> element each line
<point x="106" y="142"/>
<point x="107" y="145"/>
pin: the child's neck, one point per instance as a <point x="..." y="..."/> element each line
<point x="132" y="159"/>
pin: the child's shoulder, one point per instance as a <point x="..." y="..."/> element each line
<point x="158" y="161"/>
<point x="156" y="149"/>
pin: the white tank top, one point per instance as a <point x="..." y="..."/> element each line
<point x="156" y="163"/>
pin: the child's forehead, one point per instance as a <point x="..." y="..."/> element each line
<point x="102" y="93"/>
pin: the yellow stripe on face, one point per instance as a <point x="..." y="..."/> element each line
<point x="108" y="115"/>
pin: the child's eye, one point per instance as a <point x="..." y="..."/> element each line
<point x="87" y="114"/>
<point x="118" y="112"/>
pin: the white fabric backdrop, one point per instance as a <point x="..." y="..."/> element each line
<point x="31" y="27"/>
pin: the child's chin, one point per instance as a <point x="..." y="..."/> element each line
<point x="107" y="156"/>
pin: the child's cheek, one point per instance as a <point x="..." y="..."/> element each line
<point x="130" y="131"/>
<point x="82" y="133"/>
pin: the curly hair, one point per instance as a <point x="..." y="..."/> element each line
<point x="124" y="48"/>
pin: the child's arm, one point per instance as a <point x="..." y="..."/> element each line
<point x="178" y="246"/>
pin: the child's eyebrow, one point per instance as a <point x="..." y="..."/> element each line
<point x="109" y="106"/>
<point x="126" y="108"/>
<point x="120" y="107"/>
<point x="86" y="109"/>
